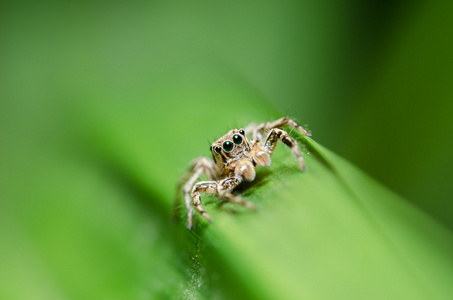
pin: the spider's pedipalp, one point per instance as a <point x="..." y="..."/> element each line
<point x="246" y="170"/>
<point x="262" y="159"/>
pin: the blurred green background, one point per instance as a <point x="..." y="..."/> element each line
<point x="103" y="105"/>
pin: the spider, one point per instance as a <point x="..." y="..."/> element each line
<point x="234" y="159"/>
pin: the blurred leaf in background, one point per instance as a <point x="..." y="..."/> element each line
<point x="102" y="106"/>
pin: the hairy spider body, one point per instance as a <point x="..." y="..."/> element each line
<point x="234" y="160"/>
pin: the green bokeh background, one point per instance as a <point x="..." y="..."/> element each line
<point x="102" y="106"/>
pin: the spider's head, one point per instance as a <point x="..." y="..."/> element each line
<point x="231" y="146"/>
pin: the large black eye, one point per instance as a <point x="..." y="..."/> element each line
<point x="237" y="139"/>
<point x="218" y="149"/>
<point x="228" y="146"/>
<point x="242" y="132"/>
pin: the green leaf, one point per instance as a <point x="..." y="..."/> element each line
<point x="102" y="110"/>
<point x="331" y="232"/>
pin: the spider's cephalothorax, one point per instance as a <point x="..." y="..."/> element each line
<point x="235" y="159"/>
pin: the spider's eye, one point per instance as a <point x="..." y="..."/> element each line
<point x="237" y="139"/>
<point x="218" y="149"/>
<point x="242" y="132"/>
<point x="228" y="146"/>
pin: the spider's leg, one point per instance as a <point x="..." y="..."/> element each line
<point x="253" y="129"/>
<point x="280" y="123"/>
<point x="279" y="134"/>
<point x="224" y="189"/>
<point x="187" y="187"/>
<point x="209" y="187"/>
<point x="179" y="186"/>
<point x="198" y="167"/>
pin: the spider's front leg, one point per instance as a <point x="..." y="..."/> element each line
<point x="225" y="187"/>
<point x="259" y="130"/>
<point x="209" y="187"/>
<point x="278" y="134"/>
<point x="198" y="167"/>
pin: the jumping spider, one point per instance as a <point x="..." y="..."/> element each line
<point x="235" y="159"/>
